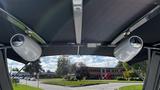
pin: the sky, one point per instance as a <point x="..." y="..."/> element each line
<point x="50" y="62"/>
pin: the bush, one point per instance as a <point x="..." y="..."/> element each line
<point x="120" y="78"/>
<point x="66" y="77"/>
<point x="70" y="77"/>
<point x="135" y="79"/>
<point x="139" y="79"/>
<point x="15" y="80"/>
<point x="129" y="74"/>
<point x="73" y="78"/>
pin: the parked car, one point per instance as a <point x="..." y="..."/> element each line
<point x="33" y="79"/>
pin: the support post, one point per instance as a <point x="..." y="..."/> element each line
<point x="152" y="81"/>
<point x="5" y="82"/>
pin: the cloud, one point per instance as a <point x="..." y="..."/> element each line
<point x="96" y="61"/>
<point x="49" y="63"/>
<point x="13" y="64"/>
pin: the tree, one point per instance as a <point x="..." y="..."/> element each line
<point x="119" y="65"/>
<point x="81" y="71"/>
<point x="136" y="70"/>
<point x="126" y="66"/>
<point x="128" y="73"/>
<point x="123" y="65"/>
<point x="15" y="69"/>
<point x="141" y="68"/>
<point x="74" y="67"/>
<point x="48" y="71"/>
<point x="63" y="66"/>
<point x="33" y="67"/>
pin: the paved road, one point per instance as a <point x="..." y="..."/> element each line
<point x="110" y="86"/>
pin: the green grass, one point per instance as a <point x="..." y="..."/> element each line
<point x="132" y="87"/>
<point x="62" y="82"/>
<point x="24" y="87"/>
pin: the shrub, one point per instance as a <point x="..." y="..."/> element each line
<point x="70" y="77"/>
<point x="66" y="77"/>
<point x="121" y="78"/>
<point x="135" y="79"/>
<point x="15" y="80"/>
<point x="128" y="74"/>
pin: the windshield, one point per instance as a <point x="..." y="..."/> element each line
<point x="73" y="72"/>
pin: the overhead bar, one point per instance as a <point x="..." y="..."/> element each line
<point x="16" y="22"/>
<point x="78" y="13"/>
<point x="154" y="12"/>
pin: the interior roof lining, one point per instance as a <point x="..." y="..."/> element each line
<point x="93" y="31"/>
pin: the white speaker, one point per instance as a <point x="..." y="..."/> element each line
<point x="128" y="49"/>
<point x="25" y="47"/>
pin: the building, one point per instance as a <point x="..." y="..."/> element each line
<point x="47" y="75"/>
<point x="104" y="73"/>
<point x="26" y="74"/>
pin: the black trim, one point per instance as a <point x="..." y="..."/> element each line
<point x="5" y="82"/>
<point x="153" y="73"/>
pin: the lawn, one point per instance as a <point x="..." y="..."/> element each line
<point x="24" y="87"/>
<point x="133" y="87"/>
<point x="62" y="82"/>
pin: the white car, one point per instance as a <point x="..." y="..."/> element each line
<point x="32" y="79"/>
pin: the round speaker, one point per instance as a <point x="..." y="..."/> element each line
<point x="25" y="47"/>
<point x="128" y="49"/>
